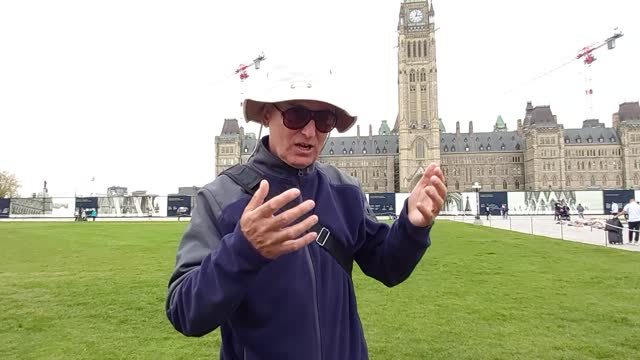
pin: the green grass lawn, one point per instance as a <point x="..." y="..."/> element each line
<point x="96" y="290"/>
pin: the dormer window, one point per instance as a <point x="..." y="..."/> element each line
<point x="246" y="149"/>
<point x="331" y="152"/>
<point x="517" y="146"/>
<point x="566" y="140"/>
<point x="601" y="139"/>
<point x="502" y="147"/>
<point x="344" y="151"/>
<point x="364" y="151"/>
<point x="589" y="140"/>
<point x="488" y="147"/>
<point x="453" y="148"/>
<point x="466" y="148"/>
<point x="578" y="140"/>
<point x="446" y="149"/>
<point x="481" y="148"/>
<point x="613" y="139"/>
<point x="377" y="150"/>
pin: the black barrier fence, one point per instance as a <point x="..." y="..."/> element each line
<point x="5" y="207"/>
<point x="179" y="206"/>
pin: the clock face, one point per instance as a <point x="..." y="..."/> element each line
<point x="415" y="16"/>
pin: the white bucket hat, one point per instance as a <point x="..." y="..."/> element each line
<point x="281" y="84"/>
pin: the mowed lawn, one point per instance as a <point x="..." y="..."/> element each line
<point x="96" y="290"/>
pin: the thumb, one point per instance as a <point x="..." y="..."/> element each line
<point x="258" y="197"/>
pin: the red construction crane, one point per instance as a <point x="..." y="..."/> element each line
<point x="242" y="69"/>
<point x="588" y="58"/>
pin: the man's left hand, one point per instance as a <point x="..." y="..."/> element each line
<point x="427" y="198"/>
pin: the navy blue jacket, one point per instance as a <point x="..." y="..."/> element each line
<point x="301" y="305"/>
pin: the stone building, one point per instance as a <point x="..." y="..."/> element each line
<point x="540" y="154"/>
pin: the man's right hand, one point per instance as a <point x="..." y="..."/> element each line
<point x="271" y="235"/>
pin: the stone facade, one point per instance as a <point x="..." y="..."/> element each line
<point x="539" y="155"/>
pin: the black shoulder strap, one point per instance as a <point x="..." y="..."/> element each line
<point x="249" y="179"/>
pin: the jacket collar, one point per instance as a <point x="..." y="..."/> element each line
<point x="267" y="163"/>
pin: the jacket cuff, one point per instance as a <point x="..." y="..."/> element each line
<point x="418" y="233"/>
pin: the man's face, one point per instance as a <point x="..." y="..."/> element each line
<point x="298" y="148"/>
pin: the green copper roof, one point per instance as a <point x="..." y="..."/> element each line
<point x="500" y="123"/>
<point x="441" y="124"/>
<point x="384" y="128"/>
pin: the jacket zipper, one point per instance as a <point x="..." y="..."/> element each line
<point x="313" y="276"/>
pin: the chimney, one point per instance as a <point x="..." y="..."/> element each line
<point x="520" y="126"/>
<point x="615" y="120"/>
<point x="457" y="128"/>
<point x="358" y="128"/>
<point x="470" y="127"/>
<point x="241" y="132"/>
<point x="370" y="131"/>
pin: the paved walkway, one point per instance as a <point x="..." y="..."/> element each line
<point x="546" y="226"/>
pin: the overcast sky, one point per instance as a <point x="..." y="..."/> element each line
<point x="134" y="92"/>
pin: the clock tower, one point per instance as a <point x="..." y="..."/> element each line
<point x="418" y="125"/>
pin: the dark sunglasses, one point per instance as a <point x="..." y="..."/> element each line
<point x="297" y="117"/>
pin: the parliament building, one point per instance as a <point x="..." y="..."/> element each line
<point x="539" y="154"/>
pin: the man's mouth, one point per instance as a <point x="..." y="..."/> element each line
<point x="304" y="146"/>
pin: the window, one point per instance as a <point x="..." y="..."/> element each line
<point x="331" y="152"/>
<point x="466" y="148"/>
<point x="502" y="147"/>
<point x="457" y="185"/>
<point x="446" y="149"/>
<point x="517" y="184"/>
<point x="481" y="148"/>
<point x="504" y="184"/>
<point x="488" y="147"/>
<point x="419" y="146"/>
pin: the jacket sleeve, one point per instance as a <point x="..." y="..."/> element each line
<point x="390" y="253"/>
<point x="212" y="272"/>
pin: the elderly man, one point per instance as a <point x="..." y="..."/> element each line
<point x="267" y="255"/>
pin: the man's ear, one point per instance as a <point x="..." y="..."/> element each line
<point x="267" y="114"/>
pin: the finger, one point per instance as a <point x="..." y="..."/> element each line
<point x="438" y="172"/>
<point x="258" y="197"/>
<point x="289" y="216"/>
<point x="426" y="212"/>
<point x="294" y="231"/>
<point x="437" y="201"/>
<point x="439" y="185"/>
<point x="297" y="244"/>
<point x="426" y="175"/>
<point x="277" y="202"/>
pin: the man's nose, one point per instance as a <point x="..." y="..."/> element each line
<point x="310" y="129"/>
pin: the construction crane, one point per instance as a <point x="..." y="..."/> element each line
<point x="242" y="69"/>
<point x="587" y="54"/>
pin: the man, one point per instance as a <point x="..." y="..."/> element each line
<point x="249" y="264"/>
<point x="488" y="210"/>
<point x="632" y="209"/>
<point x="580" y="209"/>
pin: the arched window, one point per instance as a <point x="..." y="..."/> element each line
<point x="409" y="49"/>
<point x="414" y="48"/>
<point x="517" y="184"/>
<point x="593" y="180"/>
<point x="457" y="185"/>
<point x="568" y="180"/>
<point x="419" y="48"/>
<point x="619" y="180"/>
<point x="636" y="180"/>
<point x="424" y="50"/>
<point x="504" y="184"/>
<point x="554" y="181"/>
<point x="375" y="186"/>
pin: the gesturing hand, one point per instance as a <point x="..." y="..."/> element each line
<point x="427" y="198"/>
<point x="271" y="235"/>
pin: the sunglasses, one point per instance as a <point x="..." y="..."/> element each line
<point x="297" y="117"/>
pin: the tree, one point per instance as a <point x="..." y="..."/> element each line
<point x="8" y="185"/>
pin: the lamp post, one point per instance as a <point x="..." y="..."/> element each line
<point x="476" y="186"/>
